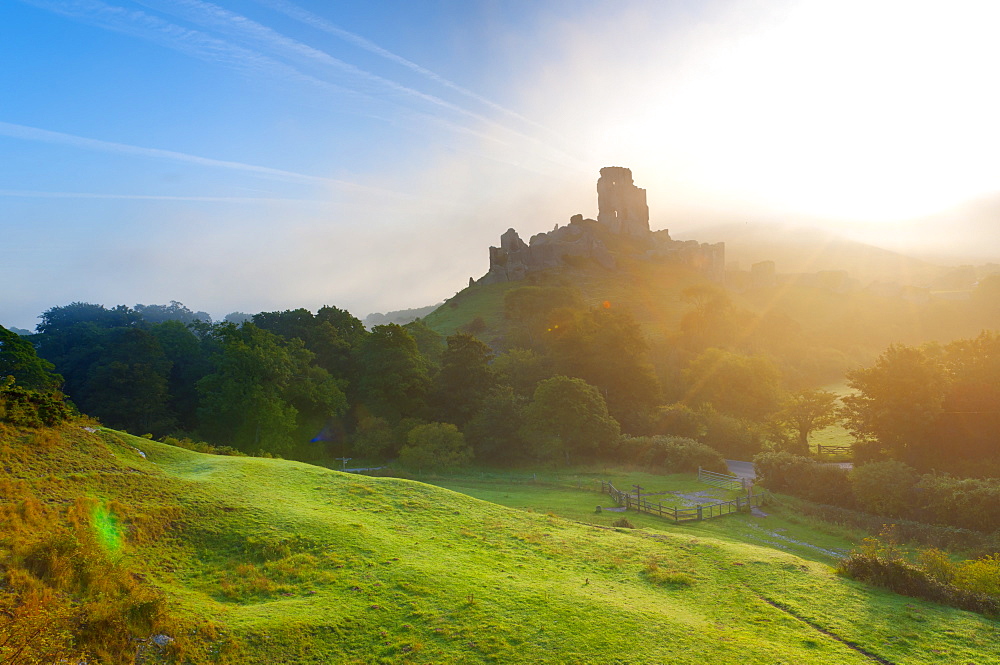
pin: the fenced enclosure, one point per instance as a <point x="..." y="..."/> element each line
<point x="699" y="512"/>
<point x="722" y="480"/>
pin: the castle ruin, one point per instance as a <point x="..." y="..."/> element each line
<point x="621" y="211"/>
<point x="621" y="206"/>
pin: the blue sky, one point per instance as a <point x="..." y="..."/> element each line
<point x="269" y="154"/>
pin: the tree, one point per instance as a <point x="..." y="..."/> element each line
<point x="605" y="348"/>
<point x="569" y="416"/>
<point x="264" y="393"/>
<point x="495" y="431"/>
<point x="465" y="378"/>
<point x="897" y="401"/>
<point x="805" y="412"/>
<point x="712" y="320"/>
<point x="734" y="384"/>
<point x="127" y="387"/>
<point x="19" y="360"/>
<point x="533" y="309"/>
<point x="394" y="383"/>
<point x="430" y="343"/>
<point x="884" y="488"/>
<point x="435" y="447"/>
<point x="175" y="311"/>
<point x="522" y="369"/>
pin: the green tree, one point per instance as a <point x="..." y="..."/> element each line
<point x="884" y="488"/>
<point x="738" y="385"/>
<point x="188" y="364"/>
<point x="895" y="404"/>
<point x="263" y="393"/>
<point x="465" y="378"/>
<point x="395" y="382"/>
<point x="711" y="321"/>
<point x="495" y="431"/>
<point x="535" y="310"/>
<point x="568" y="416"/>
<point x="429" y="342"/>
<point x="19" y="360"/>
<point x="522" y="369"/>
<point x="805" y="412"/>
<point x="435" y="447"/>
<point x="605" y="348"/>
<point x="127" y="387"/>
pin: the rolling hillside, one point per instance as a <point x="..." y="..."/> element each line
<point x="265" y="561"/>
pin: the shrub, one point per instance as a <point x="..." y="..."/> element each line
<point x="967" y="503"/>
<point x="671" y="454"/>
<point x="202" y="447"/>
<point x="803" y="477"/>
<point x="623" y="522"/>
<point x="884" y="488"/>
<point x="979" y="576"/>
<point x="929" y="535"/>
<point x="880" y="562"/>
<point x="733" y="437"/>
<point x="435" y="446"/>
<point x="24" y="407"/>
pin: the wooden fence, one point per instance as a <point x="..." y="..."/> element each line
<point x="701" y="512"/>
<point x="723" y="480"/>
<point x="832" y="450"/>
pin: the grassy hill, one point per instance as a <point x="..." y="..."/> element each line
<point x="266" y="561"/>
<point x="650" y="291"/>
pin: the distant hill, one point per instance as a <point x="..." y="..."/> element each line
<point x="400" y="316"/>
<point x="809" y="250"/>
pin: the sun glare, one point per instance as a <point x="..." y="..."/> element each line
<point x="870" y="112"/>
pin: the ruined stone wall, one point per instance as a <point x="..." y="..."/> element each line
<point x="621" y="206"/>
<point x="622" y="209"/>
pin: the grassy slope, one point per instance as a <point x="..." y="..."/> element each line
<point x="294" y="563"/>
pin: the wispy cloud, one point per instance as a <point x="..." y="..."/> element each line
<point x="269" y="41"/>
<point x="31" y="194"/>
<point x="193" y="43"/>
<point x="318" y="22"/>
<point x="366" y="89"/>
<point x="26" y="133"/>
<point x="35" y="134"/>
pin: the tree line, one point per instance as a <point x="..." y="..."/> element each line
<point x="570" y="382"/>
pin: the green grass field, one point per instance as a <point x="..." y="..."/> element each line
<point x="267" y="561"/>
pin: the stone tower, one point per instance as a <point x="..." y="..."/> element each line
<point x="621" y="206"/>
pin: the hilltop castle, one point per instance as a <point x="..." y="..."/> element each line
<point x="622" y="210"/>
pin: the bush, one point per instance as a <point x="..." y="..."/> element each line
<point x="202" y="447"/>
<point x="671" y="454"/>
<point x="435" y="447"/>
<point x="967" y="503"/>
<point x="803" y="477"/>
<point x="623" y="522"/>
<point x="733" y="437"/>
<point x="24" y="407"/>
<point x="928" y="535"/>
<point x="970" y="585"/>
<point x="884" y="488"/>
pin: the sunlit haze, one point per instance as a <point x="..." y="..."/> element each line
<point x="272" y="154"/>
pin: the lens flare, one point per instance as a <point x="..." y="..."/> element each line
<point x="107" y="528"/>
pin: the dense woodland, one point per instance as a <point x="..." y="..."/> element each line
<point x="571" y="383"/>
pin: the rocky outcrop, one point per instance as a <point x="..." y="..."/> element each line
<point x="622" y="210"/>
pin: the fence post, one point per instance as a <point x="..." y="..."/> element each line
<point x="699" y="512"/>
